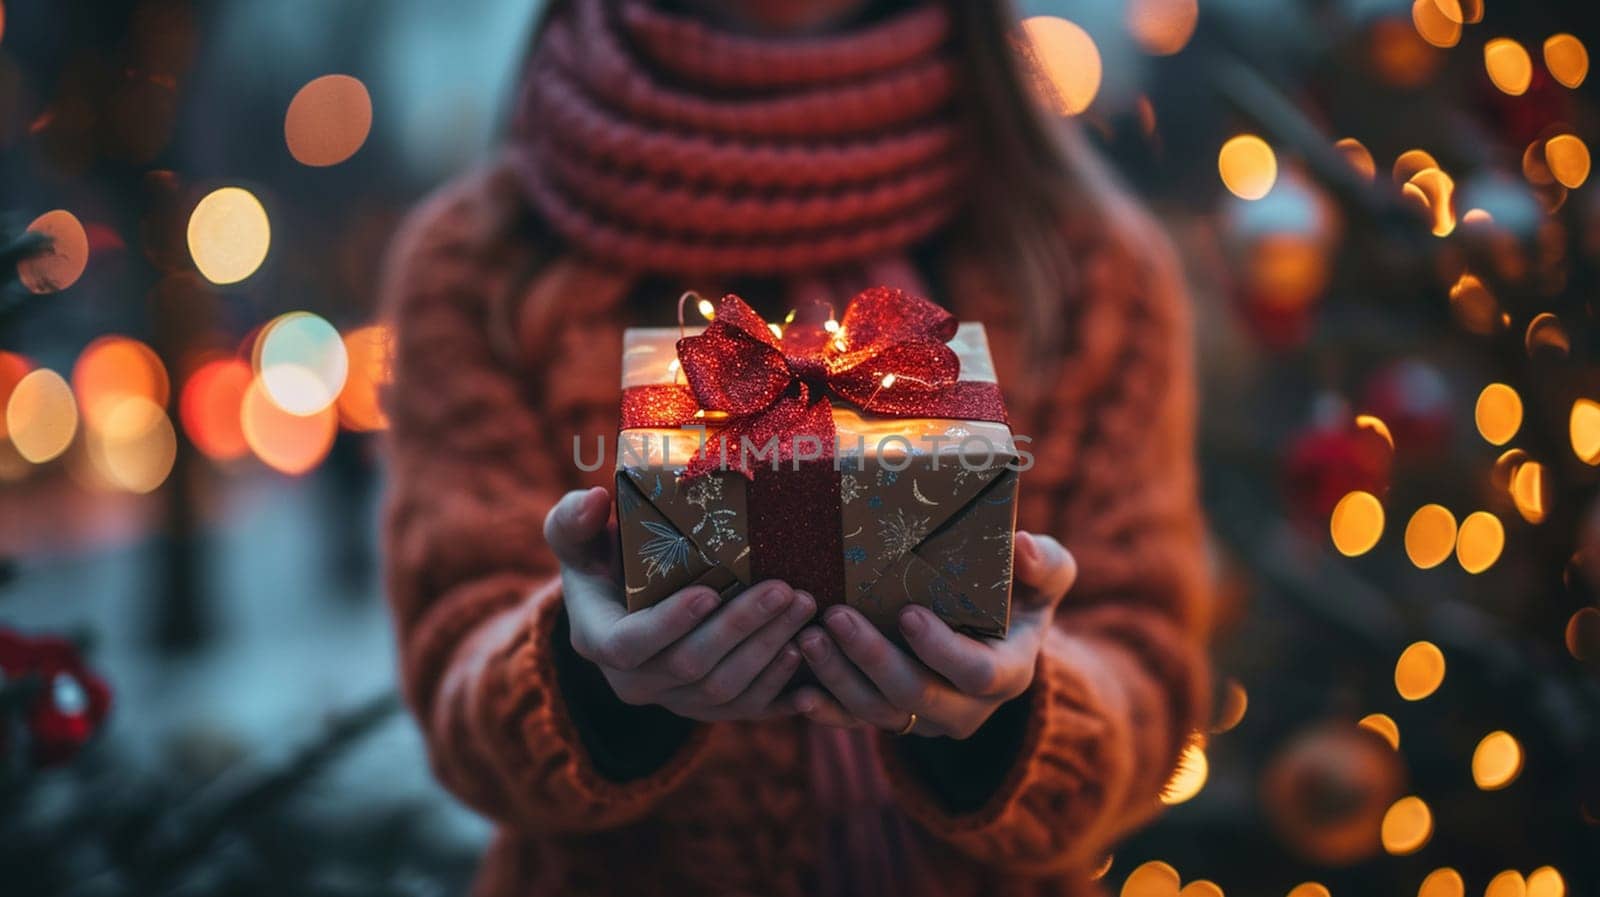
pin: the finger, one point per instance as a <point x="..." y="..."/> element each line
<point x="698" y="653"/>
<point x="575" y="526"/>
<point x="902" y="681"/>
<point x="1044" y="568"/>
<point x="612" y="637"/>
<point x="823" y="710"/>
<point x="846" y="684"/>
<point x="735" y="672"/>
<point x="761" y="698"/>
<point x="977" y="668"/>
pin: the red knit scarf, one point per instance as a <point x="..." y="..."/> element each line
<point x="658" y="144"/>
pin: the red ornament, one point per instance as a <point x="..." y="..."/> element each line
<point x="71" y="702"/>
<point x="1413" y="398"/>
<point x="1327" y="463"/>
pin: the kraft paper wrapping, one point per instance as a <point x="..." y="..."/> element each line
<point x="927" y="505"/>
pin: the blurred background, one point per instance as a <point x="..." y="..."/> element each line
<point x="1392" y="245"/>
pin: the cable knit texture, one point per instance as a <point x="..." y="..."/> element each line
<point x="824" y="150"/>
<point x="481" y="449"/>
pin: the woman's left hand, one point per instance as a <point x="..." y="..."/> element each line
<point x="954" y="682"/>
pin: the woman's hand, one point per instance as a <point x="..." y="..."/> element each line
<point x="955" y="682"/>
<point x="685" y="653"/>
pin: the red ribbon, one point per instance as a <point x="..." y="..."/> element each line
<point x="888" y="356"/>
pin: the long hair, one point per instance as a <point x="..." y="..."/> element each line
<point x="1032" y="173"/>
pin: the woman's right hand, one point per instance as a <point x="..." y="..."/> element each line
<point x="685" y="653"/>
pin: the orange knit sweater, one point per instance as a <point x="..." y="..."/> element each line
<point x="481" y="447"/>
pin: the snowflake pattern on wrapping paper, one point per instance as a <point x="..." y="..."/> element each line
<point x="849" y="488"/>
<point x="855" y="554"/>
<point x="665" y="551"/>
<point x="901" y="533"/>
<point x="715" y="526"/>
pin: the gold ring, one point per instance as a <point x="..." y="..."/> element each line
<point x="910" y="724"/>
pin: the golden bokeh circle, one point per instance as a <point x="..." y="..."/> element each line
<point x="1496" y="761"/>
<point x="1419" y="671"/>
<point x="1152" y="879"/>
<point x="1383" y="726"/>
<point x="1567" y="59"/>
<point x="1248" y="166"/>
<point x="1479" y="541"/>
<point x="1407" y="826"/>
<point x="1509" y="66"/>
<point x="229" y="235"/>
<point x="1509" y="883"/>
<point x="1444" y="882"/>
<point x="41" y="416"/>
<point x="1067" y="61"/>
<point x="1356" y="523"/>
<point x="1498" y="413"/>
<point x="1430" y="536"/>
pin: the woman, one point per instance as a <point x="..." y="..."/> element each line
<point x="788" y="152"/>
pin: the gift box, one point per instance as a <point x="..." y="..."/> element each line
<point x="866" y="460"/>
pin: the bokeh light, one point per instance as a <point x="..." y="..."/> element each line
<point x="1201" y="888"/>
<point x="328" y="120"/>
<point x="302" y="362"/>
<point x="1567" y="59"/>
<point x="1231" y="708"/>
<point x="1310" y="889"/>
<point x="1498" y="413"/>
<point x="229" y="235"/>
<point x="288" y="443"/>
<point x="1190" y="774"/>
<point x="1546" y="335"/>
<point x="62" y="262"/>
<point x="41" y="417"/>
<point x="1568" y="158"/>
<point x="1248" y="166"/>
<point x="1444" y="882"/>
<point x="1497" y="761"/>
<point x="369" y="351"/>
<point x="1067" y="59"/>
<point x="1152" y="879"/>
<point x="1410" y="163"/>
<point x="1420" y="671"/>
<point x="1509" y="883"/>
<point x="1546" y="881"/>
<point x="1359" y="157"/>
<point x="1583" y="634"/>
<point x="1530" y="491"/>
<point x="1479" y="541"/>
<point x="1471" y="303"/>
<point x="1433" y="25"/>
<point x="13" y="368"/>
<point x="1384" y="726"/>
<point x="1430" y="536"/>
<point x="1162" y="27"/>
<point x="1407" y="826"/>
<point x="1374" y="424"/>
<point x="134" y="447"/>
<point x="1509" y="66"/>
<point x="1583" y="426"/>
<point x="1435" y="191"/>
<point x="210" y="405"/>
<point x="115" y="368"/>
<point x="1356" y="523"/>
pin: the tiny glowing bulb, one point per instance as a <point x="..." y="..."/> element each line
<point x="888" y="380"/>
<point x="707" y="310"/>
<point x="839" y="344"/>
<point x="776" y="330"/>
<point x="831" y="326"/>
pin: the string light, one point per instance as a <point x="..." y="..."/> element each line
<point x="1444" y="882"/>
<point x="1419" y="672"/>
<point x="1497" y="761"/>
<point x="707" y="310"/>
<point x="887" y="381"/>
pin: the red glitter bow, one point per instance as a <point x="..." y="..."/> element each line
<point x="888" y="355"/>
